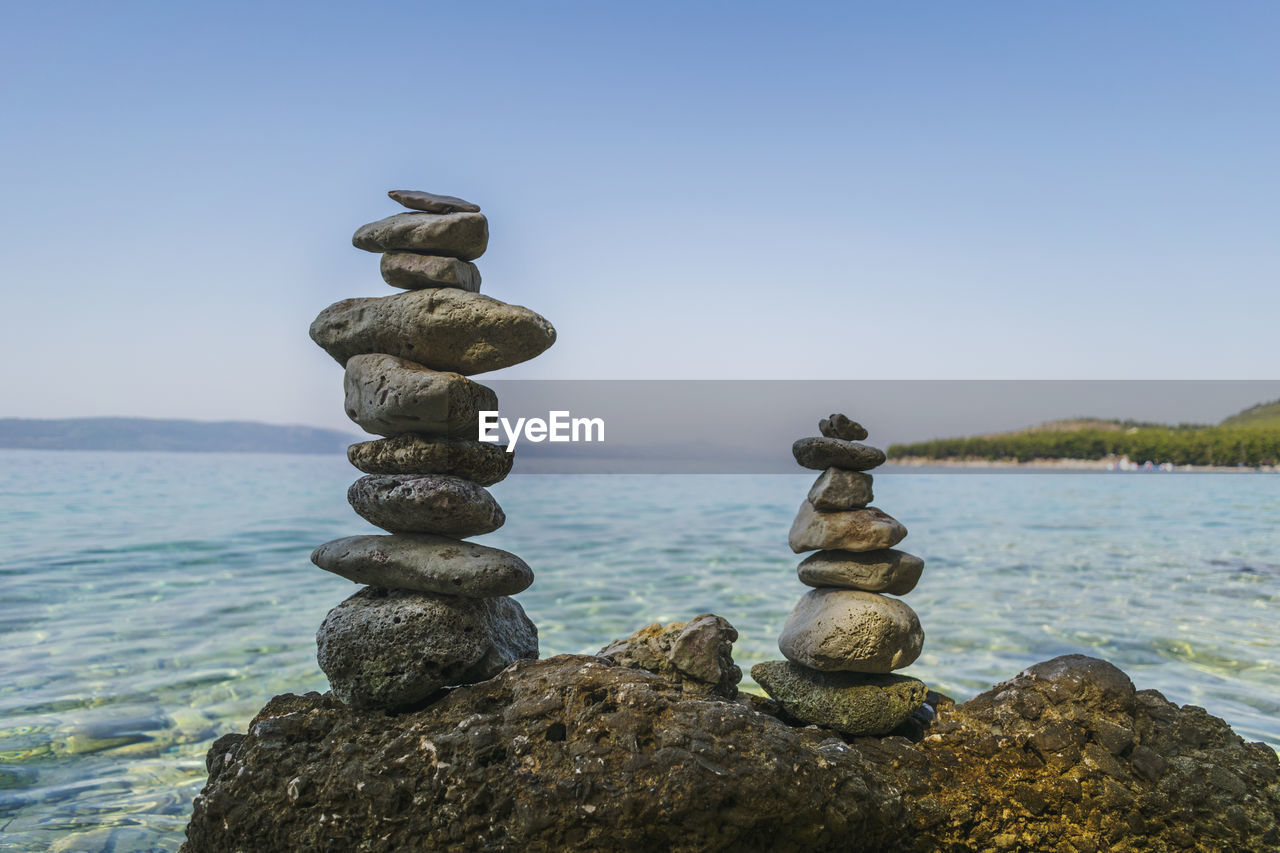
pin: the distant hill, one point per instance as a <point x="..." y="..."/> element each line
<point x="1250" y="438"/>
<point x="1261" y="415"/>
<point x="175" y="435"/>
<point x="1095" y="424"/>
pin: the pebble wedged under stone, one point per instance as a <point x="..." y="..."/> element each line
<point x="442" y="328"/>
<point x="839" y="426"/>
<point x="413" y="272"/>
<point x="393" y="648"/>
<point x="432" y="202"/>
<point x="866" y="529"/>
<point x="854" y="703"/>
<point x="387" y="395"/>
<point x="846" y="630"/>
<point x="458" y="235"/>
<point x="477" y="461"/>
<point x="887" y="570"/>
<point x="425" y="563"/>
<point x="819" y="452"/>
<point x="838" y="489"/>
<point x="570" y="754"/>
<point x="426" y="503"/>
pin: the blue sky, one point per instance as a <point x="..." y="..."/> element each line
<point x="714" y="190"/>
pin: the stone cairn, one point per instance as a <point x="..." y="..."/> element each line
<point x="846" y="636"/>
<point x="435" y="611"/>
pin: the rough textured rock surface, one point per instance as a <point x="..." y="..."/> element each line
<point x="457" y="235"/>
<point x="888" y="571"/>
<point x="852" y="703"/>
<point x="571" y="753"/>
<point x="846" y="630"/>
<point x="866" y="529"/>
<point x="386" y="395"/>
<point x="425" y="563"/>
<point x="837" y="489"/>
<point x="697" y="655"/>
<point x="432" y="202"/>
<point x="839" y="426"/>
<point x="425" y="503"/>
<point x="821" y="452"/>
<point x="413" y="271"/>
<point x="442" y="328"/>
<point x="477" y="461"/>
<point x="393" y="648"/>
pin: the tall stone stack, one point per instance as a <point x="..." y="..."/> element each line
<point x="846" y="636"/>
<point x="435" y="610"/>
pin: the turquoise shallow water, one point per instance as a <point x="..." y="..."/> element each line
<point x="155" y="601"/>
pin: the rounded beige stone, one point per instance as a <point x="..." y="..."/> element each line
<point x="846" y="630"/>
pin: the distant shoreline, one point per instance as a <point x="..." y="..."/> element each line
<point x="1072" y="465"/>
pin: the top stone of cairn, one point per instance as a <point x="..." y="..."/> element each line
<point x="432" y="202"/>
<point x="839" y="426"/>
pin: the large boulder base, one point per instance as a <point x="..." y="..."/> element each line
<point x="413" y="453"/>
<point x="572" y="753"/>
<point x="442" y="328"/>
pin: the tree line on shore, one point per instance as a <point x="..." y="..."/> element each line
<point x="1218" y="445"/>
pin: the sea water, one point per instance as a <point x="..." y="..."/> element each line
<point x="152" y="602"/>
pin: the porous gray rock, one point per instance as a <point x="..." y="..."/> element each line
<point x="432" y="202"/>
<point x="696" y="655"/>
<point x="391" y="649"/>
<point x="442" y="328"/>
<point x="425" y="563"/>
<point x="477" y="461"/>
<point x="854" y="703"/>
<point x="847" y="630"/>
<point x="837" y="489"/>
<point x="413" y="272"/>
<point x="887" y="570"/>
<point x="455" y="235"/>
<point x="572" y="753"/>
<point x="819" y="452"/>
<point x="386" y="395"/>
<point x="425" y="503"/>
<point x="839" y="426"/>
<point x="866" y="529"/>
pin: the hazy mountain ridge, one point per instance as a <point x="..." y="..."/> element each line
<point x="168" y="435"/>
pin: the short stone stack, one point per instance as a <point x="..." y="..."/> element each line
<point x="435" y="611"/>
<point x="847" y="635"/>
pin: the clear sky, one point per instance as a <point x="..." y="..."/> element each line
<point x="687" y="190"/>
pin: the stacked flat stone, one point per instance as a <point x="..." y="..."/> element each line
<point x="846" y="636"/>
<point x="436" y="609"/>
